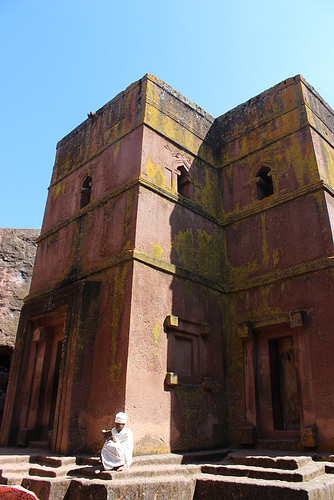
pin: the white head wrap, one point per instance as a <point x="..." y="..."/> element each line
<point x="121" y="418"/>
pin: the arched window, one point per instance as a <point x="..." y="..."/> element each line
<point x="183" y="182"/>
<point x="264" y="183"/>
<point x="86" y="192"/>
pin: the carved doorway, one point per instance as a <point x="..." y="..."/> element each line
<point x="42" y="379"/>
<point x="278" y="380"/>
<point x="277" y="394"/>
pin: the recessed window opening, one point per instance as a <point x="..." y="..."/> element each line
<point x="264" y="183"/>
<point x="183" y="182"/>
<point x="86" y="192"/>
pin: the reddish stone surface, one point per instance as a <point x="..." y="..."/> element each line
<point x="185" y="264"/>
<point x="17" y="255"/>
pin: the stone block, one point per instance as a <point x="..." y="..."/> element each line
<point x="172" y="321"/>
<point x="309" y="436"/>
<point x="298" y="318"/>
<point x="244" y="329"/>
<point x="171" y="378"/>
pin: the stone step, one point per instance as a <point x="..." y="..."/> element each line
<point x="12" y="478"/>
<point x="16" y="469"/>
<point x="167" y="458"/>
<point x="52" y="461"/>
<point x="301" y="474"/>
<point x="45" y="471"/>
<point x="165" y="470"/>
<point x="274" y="462"/>
<point x="12" y="473"/>
<point x="218" y="487"/>
<point x="13" y="459"/>
<point x="48" y="489"/>
<point x="329" y="467"/>
<point x="147" y="460"/>
<point x="160" y="487"/>
<point x="15" y="473"/>
<point x="262" y="475"/>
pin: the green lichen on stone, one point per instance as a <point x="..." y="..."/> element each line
<point x="127" y="219"/>
<point x="191" y="415"/>
<point x="211" y="197"/>
<point x="183" y="243"/>
<point x="58" y="189"/>
<point x="209" y="255"/>
<point x="199" y="251"/>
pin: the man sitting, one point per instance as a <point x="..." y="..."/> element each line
<point x="116" y="453"/>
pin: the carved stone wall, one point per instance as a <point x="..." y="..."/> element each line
<point x="17" y="256"/>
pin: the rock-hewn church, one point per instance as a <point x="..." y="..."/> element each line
<point x="184" y="274"/>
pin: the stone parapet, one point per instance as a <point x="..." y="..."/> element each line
<point x="148" y="101"/>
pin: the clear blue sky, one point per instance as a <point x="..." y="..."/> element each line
<point x="61" y="59"/>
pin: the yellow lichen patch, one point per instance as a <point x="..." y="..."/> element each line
<point x="326" y="162"/>
<point x="116" y="150"/>
<point x="127" y="219"/>
<point x="156" y="331"/>
<point x="211" y="200"/>
<point x="200" y="252"/>
<point x="150" y="168"/>
<point x="264" y="309"/>
<point x="88" y="226"/>
<point x="301" y="157"/>
<point x="115" y="372"/>
<point x="108" y="210"/>
<point x="189" y="291"/>
<point x="265" y="252"/>
<point x="277" y="253"/>
<point x="159" y="177"/>
<point x="183" y="243"/>
<point x="209" y="255"/>
<point x="117" y="312"/>
<point x="238" y="274"/>
<point x="150" y="445"/>
<point x="155" y="174"/>
<point x="58" y="189"/>
<point x="157" y="250"/>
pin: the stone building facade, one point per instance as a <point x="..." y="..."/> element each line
<point x="183" y="275"/>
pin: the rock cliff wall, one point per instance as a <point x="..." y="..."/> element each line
<point x="17" y="255"/>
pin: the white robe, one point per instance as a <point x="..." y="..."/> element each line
<point x="116" y="454"/>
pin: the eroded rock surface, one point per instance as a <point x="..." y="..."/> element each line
<point x="17" y="255"/>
